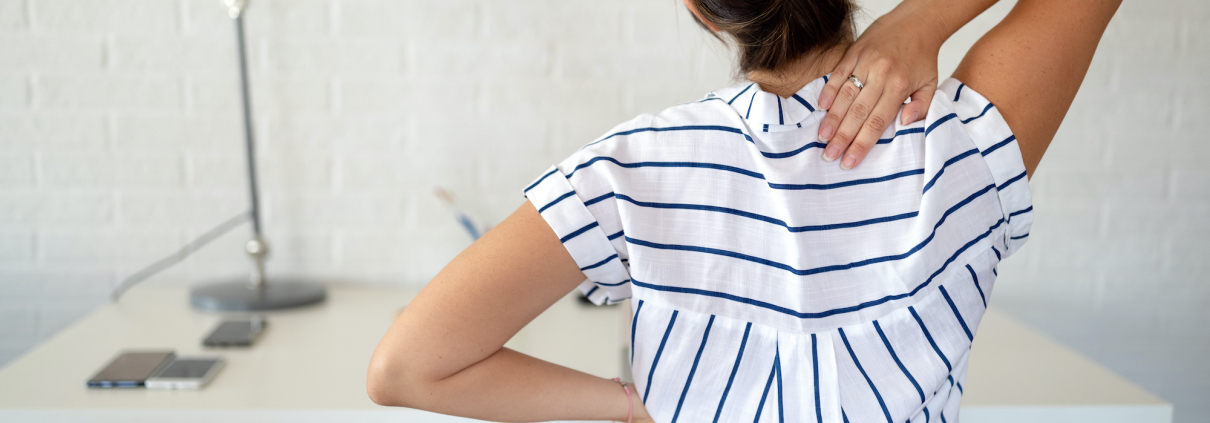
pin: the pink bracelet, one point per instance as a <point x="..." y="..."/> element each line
<point x="630" y="414"/>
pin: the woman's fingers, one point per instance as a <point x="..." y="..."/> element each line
<point x="919" y="107"/>
<point x="834" y="98"/>
<point x="857" y="112"/>
<point x="838" y="79"/>
<point x="875" y="125"/>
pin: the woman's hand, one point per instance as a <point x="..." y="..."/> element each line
<point x="894" y="58"/>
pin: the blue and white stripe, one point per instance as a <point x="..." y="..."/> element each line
<point x="770" y="285"/>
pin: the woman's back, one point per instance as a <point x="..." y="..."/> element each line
<point x="767" y="283"/>
<point x="764" y="279"/>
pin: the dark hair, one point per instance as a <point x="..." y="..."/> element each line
<point x="773" y="33"/>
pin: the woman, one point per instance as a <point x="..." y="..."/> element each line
<point x="768" y="281"/>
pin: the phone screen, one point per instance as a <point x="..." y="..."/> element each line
<point x="188" y="368"/>
<point x="130" y="370"/>
<point x="235" y="333"/>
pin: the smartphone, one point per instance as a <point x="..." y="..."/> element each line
<point x="186" y="373"/>
<point x="236" y="333"/>
<point x="130" y="369"/>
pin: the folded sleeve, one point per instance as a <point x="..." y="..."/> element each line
<point x="582" y="235"/>
<point x="998" y="147"/>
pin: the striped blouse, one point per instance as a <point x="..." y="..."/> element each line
<point x="770" y="285"/>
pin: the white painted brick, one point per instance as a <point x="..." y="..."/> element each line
<point x="568" y="135"/>
<point x="655" y="97"/>
<point x="381" y="19"/>
<point x="53" y="318"/>
<point x="19" y="321"/>
<point x="1101" y="108"/>
<point x="1188" y="253"/>
<point x="225" y="254"/>
<point x="102" y="245"/>
<point x="14" y="91"/>
<point x="76" y="170"/>
<point x="636" y="63"/>
<point x="511" y="175"/>
<point x="219" y="132"/>
<point x="104" y="91"/>
<point x="53" y="287"/>
<point x="104" y="16"/>
<point x="395" y="19"/>
<point x="80" y="53"/>
<point x="1084" y="149"/>
<point x="373" y="173"/>
<point x="414" y="256"/>
<point x="1146" y="31"/>
<point x="394" y="96"/>
<point x="214" y="55"/>
<point x="325" y="133"/>
<point x="1078" y="220"/>
<point x="1143" y="220"/>
<point x="1067" y="286"/>
<point x="1126" y="251"/>
<point x="16" y="247"/>
<point x="174" y="209"/>
<point x="280" y="172"/>
<point x="288" y="17"/>
<point x="295" y="94"/>
<point x="302" y="56"/>
<point x="13" y="18"/>
<point x="453" y="169"/>
<point x="1190" y="111"/>
<point x="301" y="249"/>
<point x="1192" y="185"/>
<point x="536" y="98"/>
<point x="343" y="209"/>
<point x="293" y="250"/>
<point x="292" y="172"/>
<point x="207" y="18"/>
<point x="1129" y="289"/>
<point x="1130" y="185"/>
<point x="489" y="60"/>
<point x="72" y="206"/>
<point x="553" y="20"/>
<point x="51" y="131"/>
<point x="1122" y="148"/>
<point x="226" y="171"/>
<point x="16" y="171"/>
<point x="662" y="23"/>
<point x="1192" y="36"/>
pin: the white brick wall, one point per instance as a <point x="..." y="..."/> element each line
<point x="120" y="139"/>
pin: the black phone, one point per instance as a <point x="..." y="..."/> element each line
<point x="236" y="332"/>
<point x="130" y="369"/>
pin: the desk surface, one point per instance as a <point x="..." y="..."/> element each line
<point x="316" y="358"/>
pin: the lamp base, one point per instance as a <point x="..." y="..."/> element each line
<point x="238" y="296"/>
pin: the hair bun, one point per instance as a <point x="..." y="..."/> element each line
<point x="773" y="33"/>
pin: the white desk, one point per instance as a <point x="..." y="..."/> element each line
<point x="310" y="366"/>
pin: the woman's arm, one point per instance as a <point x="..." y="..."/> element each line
<point x="445" y="351"/>
<point x="894" y="57"/>
<point x="1032" y="63"/>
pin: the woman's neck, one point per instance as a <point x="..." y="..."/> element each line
<point x="792" y="77"/>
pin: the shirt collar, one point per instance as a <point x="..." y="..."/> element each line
<point x="764" y="108"/>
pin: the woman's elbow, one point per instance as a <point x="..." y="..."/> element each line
<point x="378" y="383"/>
<point x="389" y="382"/>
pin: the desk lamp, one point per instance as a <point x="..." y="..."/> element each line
<point x="255" y="293"/>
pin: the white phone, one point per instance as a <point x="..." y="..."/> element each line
<point x="186" y="373"/>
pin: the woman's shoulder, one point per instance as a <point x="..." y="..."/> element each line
<point x="958" y="111"/>
<point x="712" y="111"/>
